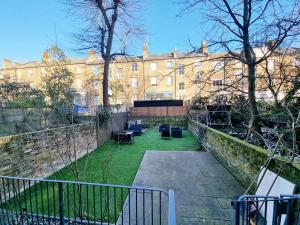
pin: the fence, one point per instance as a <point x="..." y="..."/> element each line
<point x="271" y="210"/>
<point x="36" y="201"/>
<point x="159" y="111"/>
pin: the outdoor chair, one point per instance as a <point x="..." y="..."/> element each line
<point x="165" y="133"/>
<point x="163" y="126"/>
<point x="122" y="137"/>
<point x="136" y="129"/>
<point x="176" y="132"/>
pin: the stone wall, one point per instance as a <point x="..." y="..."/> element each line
<point x="40" y="154"/>
<point x="240" y="158"/>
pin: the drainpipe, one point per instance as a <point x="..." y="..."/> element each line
<point x="144" y="79"/>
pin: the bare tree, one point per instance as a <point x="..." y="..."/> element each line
<point x="110" y="24"/>
<point x="238" y="27"/>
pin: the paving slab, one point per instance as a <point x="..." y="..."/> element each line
<point x="203" y="187"/>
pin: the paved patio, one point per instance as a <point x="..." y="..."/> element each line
<point x="203" y="187"/>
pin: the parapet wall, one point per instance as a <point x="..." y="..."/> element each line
<point x="241" y="159"/>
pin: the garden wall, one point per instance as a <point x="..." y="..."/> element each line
<point x="152" y="121"/>
<point x="159" y="111"/>
<point x="40" y="154"/>
<point x="240" y="158"/>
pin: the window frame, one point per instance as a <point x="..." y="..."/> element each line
<point x="155" y="66"/>
<point x="136" y="82"/>
<point x="152" y="83"/>
<point x="181" y="86"/>
<point x="181" y="69"/>
<point x="134" y="67"/>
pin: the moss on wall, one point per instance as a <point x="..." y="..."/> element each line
<point x="243" y="160"/>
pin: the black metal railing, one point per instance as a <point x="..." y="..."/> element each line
<point x="267" y="210"/>
<point x="39" y="201"/>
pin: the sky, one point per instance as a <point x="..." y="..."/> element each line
<point x="30" y="26"/>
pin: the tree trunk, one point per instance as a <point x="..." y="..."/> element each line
<point x="105" y="83"/>
<point x="254" y="120"/>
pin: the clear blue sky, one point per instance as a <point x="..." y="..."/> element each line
<point x="28" y="27"/>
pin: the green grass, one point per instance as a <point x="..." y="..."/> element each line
<point x="122" y="167"/>
<point x="126" y="157"/>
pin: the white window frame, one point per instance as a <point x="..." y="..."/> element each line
<point x="134" y="82"/>
<point x="169" y="80"/>
<point x="169" y="64"/>
<point x="134" y="67"/>
<point x="95" y="71"/>
<point x="30" y="74"/>
<point x="271" y="64"/>
<point x="238" y="64"/>
<point x="197" y="64"/>
<point x="43" y="71"/>
<point x="153" y="66"/>
<point x="198" y="75"/>
<point x="96" y="100"/>
<point x="181" y="69"/>
<point x="153" y="81"/>
<point x="238" y="72"/>
<point x="219" y="66"/>
<point x="296" y="62"/>
<point x="78" y="83"/>
<point x="120" y="73"/>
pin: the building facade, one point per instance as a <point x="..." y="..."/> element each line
<point x="174" y="75"/>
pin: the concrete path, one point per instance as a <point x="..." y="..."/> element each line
<point x="203" y="187"/>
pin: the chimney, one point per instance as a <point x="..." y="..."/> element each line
<point x="145" y="50"/>
<point x="204" y="47"/>
<point x="92" y="56"/>
<point x="270" y="44"/>
<point x="6" y="63"/>
<point x="174" y="53"/>
<point x="92" y="53"/>
<point x="45" y="56"/>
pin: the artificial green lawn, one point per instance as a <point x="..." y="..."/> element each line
<point x="122" y="167"/>
<point x="126" y="158"/>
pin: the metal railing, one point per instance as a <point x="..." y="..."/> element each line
<point x="39" y="201"/>
<point x="267" y="210"/>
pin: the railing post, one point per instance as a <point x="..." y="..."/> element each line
<point x="275" y="212"/>
<point x="61" y="203"/>
<point x="98" y="129"/>
<point x="237" y="212"/>
<point x="172" y="213"/>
